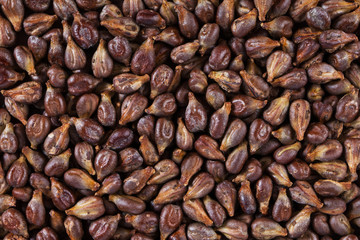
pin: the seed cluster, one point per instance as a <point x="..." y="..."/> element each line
<point x="179" y="119"/>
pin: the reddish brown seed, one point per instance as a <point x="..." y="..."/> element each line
<point x="75" y="58"/>
<point x="208" y="36"/>
<point x="146" y="222"/>
<point x="170" y="219"/>
<point x="164" y="171"/>
<point x="216" y="212"/>
<point x="106" y="114"/>
<point x="88" y="208"/>
<point x="170" y="192"/>
<point x="14" y="222"/>
<point x="259" y="47"/>
<point x="104" y="163"/>
<point x="129" y="112"/>
<point x="189" y="167"/>
<point x="164" y="105"/>
<point x="299" y="115"/>
<point x="86" y="105"/>
<point x="149" y="151"/>
<point x="202" y="185"/>
<point x="303" y="193"/>
<point x="38" y="23"/>
<point x="225" y="193"/>
<point x="121" y="26"/>
<point x="225" y="14"/>
<point x="330" y="150"/>
<point x="188" y="23"/>
<point x="195" y="210"/>
<point x="18" y="173"/>
<point x="299" y="223"/>
<point x="282" y="209"/>
<point x="259" y="134"/>
<point x="120" y="138"/>
<point x="74" y="228"/>
<point x="110" y="185"/>
<point x="234" y="229"/>
<point x="334" y="170"/>
<point x="84" y="31"/>
<point x="35" y="210"/>
<point x="184" y="138"/>
<point x="195" y="115"/>
<point x="54" y="101"/>
<point x="266" y="228"/>
<point x="255" y="86"/>
<point x="143" y="60"/>
<point x="137" y="180"/>
<point x="84" y="155"/>
<point x="279" y="174"/>
<point x="208" y="148"/>
<point x="215" y="97"/>
<point x="105" y="227"/>
<point x="7" y="202"/>
<point x="129" y="204"/>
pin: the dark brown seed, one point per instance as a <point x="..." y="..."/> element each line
<point x="14" y="222"/>
<point x="170" y="219"/>
<point x="265" y="228"/>
<point x="74" y="228"/>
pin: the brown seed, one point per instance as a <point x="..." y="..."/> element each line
<point x="340" y="224"/>
<point x="137" y="180"/>
<point x="259" y="134"/>
<point x="74" y="228"/>
<point x="198" y="231"/>
<point x="7" y="202"/>
<point x="38" y="23"/>
<point x="127" y="83"/>
<point x="265" y="228"/>
<point x="303" y="193"/>
<point x="255" y="86"/>
<point x="110" y="185"/>
<point x="184" y="138"/>
<point x="121" y="26"/>
<point x="146" y="222"/>
<point x="84" y="154"/>
<point x="170" y="219"/>
<point x="84" y="31"/>
<point x="299" y="223"/>
<point x="201" y="186"/>
<point x="132" y="108"/>
<point x="149" y="151"/>
<point x="78" y="179"/>
<point x="164" y="134"/>
<point x="234" y="229"/>
<point x="105" y="162"/>
<point x="143" y="60"/>
<point x="299" y="115"/>
<point x="88" y="208"/>
<point x="259" y="47"/>
<point x="334" y="170"/>
<point x="279" y="174"/>
<point x="14" y="222"/>
<point x="105" y="227"/>
<point x="195" y="210"/>
<point x="208" y="148"/>
<point x="195" y="115"/>
<point x="264" y="188"/>
<point x="225" y="193"/>
<point x="35" y="210"/>
<point x="170" y="192"/>
<point x="129" y="204"/>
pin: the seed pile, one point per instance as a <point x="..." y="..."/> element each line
<point x="179" y="119"/>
